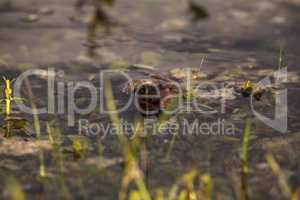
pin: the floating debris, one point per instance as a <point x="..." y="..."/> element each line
<point x="104" y="162"/>
<point x="31" y="18"/>
<point x="141" y="66"/>
<point x="182" y="73"/>
<point x="46" y="11"/>
<point x="16" y="123"/>
<point x="258" y="94"/>
<point x="247" y="88"/>
<point x="77" y="148"/>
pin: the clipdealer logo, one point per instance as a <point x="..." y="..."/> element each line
<point x="279" y="122"/>
<point x="57" y="104"/>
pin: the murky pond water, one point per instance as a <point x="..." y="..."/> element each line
<point x="239" y="40"/>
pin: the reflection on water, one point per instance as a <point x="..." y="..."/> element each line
<point x="101" y="19"/>
<point x="197" y="11"/>
<point x="6" y="6"/>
